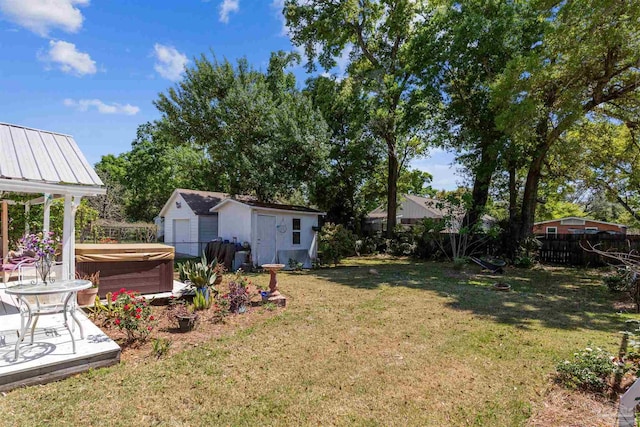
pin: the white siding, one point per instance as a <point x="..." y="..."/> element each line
<point x="284" y="241"/>
<point x="184" y="212"/>
<point x="234" y="220"/>
<point x="240" y="221"/>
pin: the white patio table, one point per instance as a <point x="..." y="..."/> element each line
<point x="67" y="290"/>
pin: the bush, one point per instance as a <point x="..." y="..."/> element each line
<point x="524" y="261"/>
<point x="459" y="263"/>
<point x="238" y="297"/>
<point x="590" y="370"/>
<point x="132" y="314"/>
<point x="336" y="242"/>
<point x="367" y="245"/>
<point x="618" y="281"/>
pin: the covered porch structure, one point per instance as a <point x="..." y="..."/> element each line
<point x="46" y="165"/>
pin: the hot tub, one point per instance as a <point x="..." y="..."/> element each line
<point x="143" y="267"/>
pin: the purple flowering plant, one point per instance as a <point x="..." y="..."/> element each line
<point x="43" y="245"/>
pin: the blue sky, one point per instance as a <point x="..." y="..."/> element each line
<point x="93" y="69"/>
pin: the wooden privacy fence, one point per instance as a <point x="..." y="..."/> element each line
<point x="566" y="249"/>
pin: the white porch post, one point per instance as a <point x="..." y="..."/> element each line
<point x="47" y="209"/>
<point x="5" y="230"/>
<point x="69" y="236"/>
<point x="27" y="208"/>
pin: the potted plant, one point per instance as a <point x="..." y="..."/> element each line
<point x="183" y="316"/>
<point x="200" y="275"/>
<point x="87" y="297"/>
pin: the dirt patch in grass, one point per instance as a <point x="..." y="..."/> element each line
<point x="563" y="407"/>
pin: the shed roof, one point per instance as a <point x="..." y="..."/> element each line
<point x="37" y="161"/>
<point x="271" y="206"/>
<point x="200" y="202"/>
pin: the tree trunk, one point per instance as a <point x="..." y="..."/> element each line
<point x="511" y="243"/>
<point x="530" y="197"/>
<point x="481" y="184"/>
<point x="392" y="189"/>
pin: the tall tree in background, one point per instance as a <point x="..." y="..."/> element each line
<point x="262" y="136"/>
<point x="353" y="151"/>
<point x="376" y="34"/>
<point x="589" y="57"/>
<point x="460" y="52"/>
<point x="111" y="170"/>
<point x="156" y="166"/>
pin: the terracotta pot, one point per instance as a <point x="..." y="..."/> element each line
<point x="87" y="297"/>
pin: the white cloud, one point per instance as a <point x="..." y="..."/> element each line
<point x="278" y="6"/>
<point x="227" y="7"/>
<point x="169" y="62"/>
<point x="113" y="108"/>
<point x="42" y="16"/>
<point x="68" y="58"/>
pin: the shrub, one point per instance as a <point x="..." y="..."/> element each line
<point x="459" y="263"/>
<point x="618" y="281"/>
<point x="132" y="314"/>
<point x="220" y="310"/>
<point x="238" y="296"/>
<point x="336" y="242"/>
<point x="524" y="261"/>
<point x="589" y="370"/>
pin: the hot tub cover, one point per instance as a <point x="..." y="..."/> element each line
<point x="118" y="252"/>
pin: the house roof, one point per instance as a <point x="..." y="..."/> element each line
<point x="581" y="219"/>
<point x="429" y="206"/>
<point x="34" y="161"/>
<point x="271" y="206"/>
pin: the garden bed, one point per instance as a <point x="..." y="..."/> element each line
<point x="204" y="331"/>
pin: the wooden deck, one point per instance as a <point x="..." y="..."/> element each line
<point x="50" y="357"/>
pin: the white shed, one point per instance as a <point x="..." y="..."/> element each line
<point x="276" y="232"/>
<point x="188" y="222"/>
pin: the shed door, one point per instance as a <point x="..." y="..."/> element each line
<point x="182" y="235"/>
<point x="266" y="239"/>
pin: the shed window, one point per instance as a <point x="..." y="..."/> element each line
<point x="296" y="231"/>
<point x="552" y="230"/>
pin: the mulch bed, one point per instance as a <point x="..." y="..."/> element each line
<point x="204" y="330"/>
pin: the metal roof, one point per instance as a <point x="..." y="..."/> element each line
<point x="33" y="156"/>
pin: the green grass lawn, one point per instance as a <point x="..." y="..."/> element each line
<point x="415" y="344"/>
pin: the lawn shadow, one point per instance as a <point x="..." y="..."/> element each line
<point x="561" y="298"/>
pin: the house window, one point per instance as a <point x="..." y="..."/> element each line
<point x="552" y="230"/>
<point x="296" y="231"/>
<point x="591" y="230"/>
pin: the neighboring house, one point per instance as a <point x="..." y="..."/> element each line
<point x="411" y="210"/>
<point x="576" y="225"/>
<point x="188" y="223"/>
<point x="276" y="232"/>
